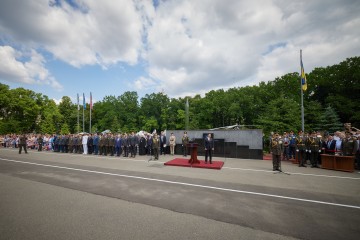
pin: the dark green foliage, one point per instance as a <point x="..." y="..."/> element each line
<point x="332" y="98"/>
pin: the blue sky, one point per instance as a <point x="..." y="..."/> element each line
<point x="179" y="47"/>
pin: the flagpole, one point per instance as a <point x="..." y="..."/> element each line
<point x="84" y="112"/>
<point x="90" y="111"/>
<point x="302" y="98"/>
<point x="78" y="108"/>
<point x="187" y="114"/>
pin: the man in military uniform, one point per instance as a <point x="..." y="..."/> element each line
<point x="172" y="142"/>
<point x="106" y="144"/>
<point x="79" y="145"/>
<point x="22" y="143"/>
<point x="314" y="143"/>
<point x="66" y="143"/>
<point x="184" y="143"/>
<point x="301" y="149"/>
<point x="277" y="148"/>
<point x="349" y="145"/>
<point x="40" y="142"/>
<point x="101" y="144"/>
<point x="111" y="144"/>
<point x="156" y="146"/>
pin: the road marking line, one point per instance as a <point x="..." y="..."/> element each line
<point x="161" y="162"/>
<point x="187" y="184"/>
<point x="293" y="173"/>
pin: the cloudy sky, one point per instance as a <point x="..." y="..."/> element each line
<point x="179" y="47"/>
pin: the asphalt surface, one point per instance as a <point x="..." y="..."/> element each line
<point x="46" y="195"/>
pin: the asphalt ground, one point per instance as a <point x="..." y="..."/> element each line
<point x="46" y="195"/>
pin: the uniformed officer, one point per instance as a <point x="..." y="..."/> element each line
<point x="277" y="148"/>
<point x="349" y="145"/>
<point x="156" y="146"/>
<point x="301" y="149"/>
<point x="111" y="144"/>
<point x="172" y="141"/>
<point x="314" y="143"/>
<point x="40" y="142"/>
<point x="184" y="143"/>
<point x="22" y="143"/>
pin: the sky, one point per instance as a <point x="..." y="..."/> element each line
<point x="178" y="47"/>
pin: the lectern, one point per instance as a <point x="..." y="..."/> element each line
<point x="193" y="149"/>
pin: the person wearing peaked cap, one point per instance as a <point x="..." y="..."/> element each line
<point x="277" y="148"/>
<point x="314" y="144"/>
<point x="349" y="145"/>
<point x="184" y="143"/>
<point x="301" y="150"/>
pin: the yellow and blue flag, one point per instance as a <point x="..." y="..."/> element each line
<point x="303" y="76"/>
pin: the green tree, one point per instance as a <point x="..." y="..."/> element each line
<point x="65" y="129"/>
<point x="330" y="121"/>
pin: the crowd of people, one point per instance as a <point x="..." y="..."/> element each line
<point x="107" y="143"/>
<point x="307" y="147"/>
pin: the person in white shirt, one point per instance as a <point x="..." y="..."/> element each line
<point x="84" y="143"/>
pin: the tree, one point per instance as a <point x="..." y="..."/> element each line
<point x="51" y="118"/>
<point x="65" y="129"/>
<point x="66" y="108"/>
<point x="281" y="114"/>
<point x="330" y="121"/>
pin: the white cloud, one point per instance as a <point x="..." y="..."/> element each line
<point x="204" y="45"/>
<point x="188" y="46"/>
<point x="28" y="72"/>
<point x="144" y="83"/>
<point x="94" y="32"/>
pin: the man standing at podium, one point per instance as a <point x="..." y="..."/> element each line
<point x="209" y="147"/>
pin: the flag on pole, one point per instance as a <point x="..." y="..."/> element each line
<point x="84" y="101"/>
<point x="78" y="102"/>
<point x="91" y="106"/>
<point x="303" y="76"/>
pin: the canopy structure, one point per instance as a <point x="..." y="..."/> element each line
<point x="235" y="127"/>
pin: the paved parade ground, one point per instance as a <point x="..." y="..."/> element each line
<point x="46" y="195"/>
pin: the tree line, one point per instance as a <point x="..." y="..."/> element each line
<point x="332" y="98"/>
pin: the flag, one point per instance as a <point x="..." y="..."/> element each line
<point x="91" y="106"/>
<point x="84" y="101"/>
<point x="303" y="76"/>
<point x="78" y="102"/>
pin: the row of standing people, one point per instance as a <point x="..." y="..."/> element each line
<point x="307" y="146"/>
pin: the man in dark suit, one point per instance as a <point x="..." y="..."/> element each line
<point x="209" y="147"/>
<point x="330" y="145"/>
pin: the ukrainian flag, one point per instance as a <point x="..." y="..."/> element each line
<point x="303" y="76"/>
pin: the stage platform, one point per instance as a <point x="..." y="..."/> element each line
<point x="183" y="162"/>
